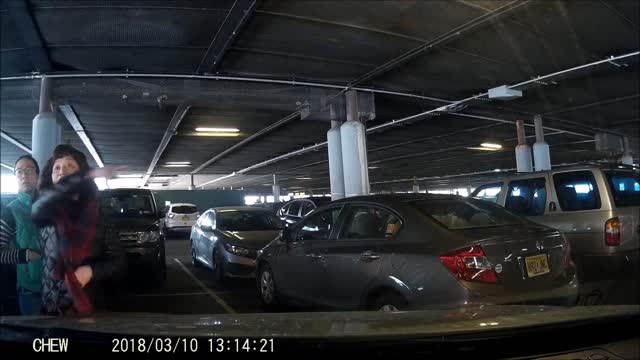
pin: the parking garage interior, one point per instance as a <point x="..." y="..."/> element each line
<point x="229" y="103"/>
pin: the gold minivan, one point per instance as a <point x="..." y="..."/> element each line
<point x="597" y="208"/>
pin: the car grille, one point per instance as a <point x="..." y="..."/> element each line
<point x="128" y="237"/>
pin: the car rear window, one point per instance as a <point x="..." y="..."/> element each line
<point x="625" y="188"/>
<point x="577" y="190"/>
<point x="126" y="205"/>
<point x="184" y="209"/>
<point x="455" y="214"/>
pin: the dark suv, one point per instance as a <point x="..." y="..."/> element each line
<point x="132" y="216"/>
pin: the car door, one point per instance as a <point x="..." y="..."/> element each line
<point x="353" y="260"/>
<point x="298" y="269"/>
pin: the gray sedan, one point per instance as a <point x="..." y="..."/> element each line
<point x="390" y="252"/>
<point x="226" y="239"/>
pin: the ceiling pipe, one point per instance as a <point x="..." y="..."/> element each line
<point x="523" y="151"/>
<point x="221" y="78"/>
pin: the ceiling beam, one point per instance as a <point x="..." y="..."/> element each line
<point x="236" y="18"/>
<point x="15" y="142"/>
<point x="71" y="116"/>
<point x="26" y="26"/>
<point x="177" y="118"/>
<point x="455" y="33"/>
<point x="287" y="119"/>
<point x="7" y="167"/>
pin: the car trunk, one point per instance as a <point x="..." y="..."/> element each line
<point x="524" y="257"/>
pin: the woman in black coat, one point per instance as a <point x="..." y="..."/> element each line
<point x="77" y="258"/>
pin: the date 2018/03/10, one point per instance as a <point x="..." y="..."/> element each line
<point x="169" y="345"/>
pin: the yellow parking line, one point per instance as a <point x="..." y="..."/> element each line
<point x="210" y="292"/>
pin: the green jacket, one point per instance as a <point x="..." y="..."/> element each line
<point x="27" y="236"/>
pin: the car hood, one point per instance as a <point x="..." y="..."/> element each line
<point x="132" y="223"/>
<point x="251" y="239"/>
<point x="426" y="323"/>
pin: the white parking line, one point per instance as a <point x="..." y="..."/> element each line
<point x="213" y="295"/>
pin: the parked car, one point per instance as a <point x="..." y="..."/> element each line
<point x="132" y="216"/>
<point x="597" y="207"/>
<point x="291" y="212"/>
<point x="389" y="252"/>
<point x="180" y="217"/>
<point x="227" y="239"/>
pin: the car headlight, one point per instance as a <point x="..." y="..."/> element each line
<point x="148" y="236"/>
<point x="237" y="250"/>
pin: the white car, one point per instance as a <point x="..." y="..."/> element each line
<point x="180" y="217"/>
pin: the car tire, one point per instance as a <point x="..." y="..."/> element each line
<point x="267" y="288"/>
<point x="389" y="302"/>
<point x="194" y="260"/>
<point x="219" y="275"/>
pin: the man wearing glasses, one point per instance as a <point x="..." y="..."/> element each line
<point x="20" y="239"/>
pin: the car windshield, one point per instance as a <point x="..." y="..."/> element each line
<point x="248" y="221"/>
<point x="457" y="214"/>
<point x="127" y="205"/>
<point x="184" y="209"/>
<point x="625" y="187"/>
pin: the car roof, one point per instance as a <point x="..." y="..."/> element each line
<point x="125" y="192"/>
<point x="181" y="204"/>
<point x="239" y="208"/>
<point x="396" y="198"/>
<point x="604" y="166"/>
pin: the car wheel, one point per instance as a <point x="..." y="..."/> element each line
<point x="218" y="269"/>
<point x="389" y="302"/>
<point x="267" y="288"/>
<point x="194" y="259"/>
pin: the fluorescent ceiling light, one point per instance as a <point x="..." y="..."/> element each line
<point x="304" y="178"/>
<point x="161" y="178"/>
<point x="178" y="163"/>
<point x="216" y="129"/>
<point x="482" y="148"/>
<point x="373" y="167"/>
<point x="497" y="170"/>
<point x="131" y="176"/>
<point x="225" y="134"/>
<point x="491" y="145"/>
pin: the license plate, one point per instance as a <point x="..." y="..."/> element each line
<point x="537" y="265"/>
<point x="185" y="218"/>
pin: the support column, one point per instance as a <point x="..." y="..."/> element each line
<point x="541" y="156"/>
<point x="354" y="150"/>
<point x="334" y="148"/>
<point x="46" y="131"/>
<point x="416" y="187"/>
<point x="192" y="185"/>
<point x="276" y="189"/>
<point x="626" y="158"/>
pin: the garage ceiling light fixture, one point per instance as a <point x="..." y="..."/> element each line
<point x="304" y="178"/>
<point x="178" y="163"/>
<point x="217" y="129"/>
<point x="491" y="146"/>
<point x="130" y="176"/>
<point x="224" y="134"/>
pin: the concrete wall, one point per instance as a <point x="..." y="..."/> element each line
<point x="203" y="199"/>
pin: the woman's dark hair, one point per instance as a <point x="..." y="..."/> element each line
<point x="58" y="153"/>
<point x="30" y="158"/>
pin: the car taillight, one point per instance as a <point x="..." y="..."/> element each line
<point x="612" y="232"/>
<point x="171" y="215"/>
<point x="568" y="261"/>
<point x="470" y="264"/>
